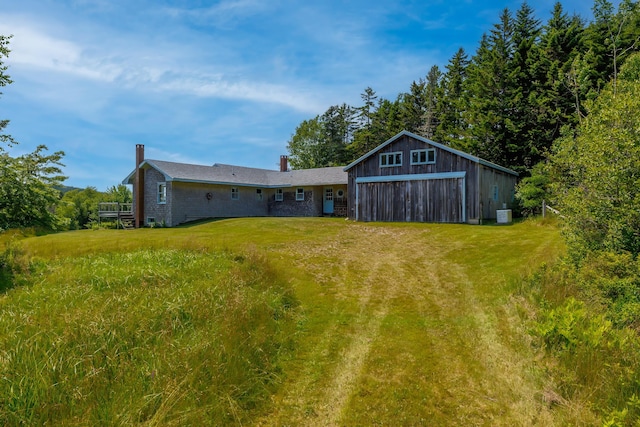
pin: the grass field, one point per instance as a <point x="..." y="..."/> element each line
<point x="277" y="322"/>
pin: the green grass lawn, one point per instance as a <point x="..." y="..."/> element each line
<point x="276" y="321"/>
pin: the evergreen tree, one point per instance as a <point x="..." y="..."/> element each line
<point x="491" y="86"/>
<point x="528" y="141"/>
<point x="431" y="115"/>
<point x="413" y="106"/>
<point x="452" y="102"/>
<point x="560" y="44"/>
<point x="364" y="138"/>
<point x="323" y="140"/>
<point x="339" y="123"/>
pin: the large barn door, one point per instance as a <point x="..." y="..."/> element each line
<point x="437" y="199"/>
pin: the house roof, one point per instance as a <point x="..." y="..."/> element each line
<point x="435" y="144"/>
<point x="243" y="176"/>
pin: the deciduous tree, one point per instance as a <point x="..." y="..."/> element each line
<point x="27" y="183"/>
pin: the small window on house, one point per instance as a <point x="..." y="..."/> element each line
<point x="279" y="195"/>
<point x="235" y="194"/>
<point x="495" y="193"/>
<point x="423" y="157"/>
<point x="162" y="192"/>
<point x="340" y="194"/>
<point x="151" y="220"/>
<point x="390" y="159"/>
<point x="299" y="194"/>
<point x="259" y="193"/>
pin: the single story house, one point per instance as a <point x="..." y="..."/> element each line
<point x="407" y="178"/>
<point x="411" y="178"/>
<point x="174" y="193"/>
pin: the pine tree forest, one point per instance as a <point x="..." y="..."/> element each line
<point x="527" y="84"/>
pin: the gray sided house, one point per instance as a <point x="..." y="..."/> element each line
<point x="411" y="178"/>
<point x="174" y="193"/>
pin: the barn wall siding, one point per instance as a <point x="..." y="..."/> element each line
<point x="489" y="199"/>
<point x="445" y="204"/>
<point x="437" y="200"/>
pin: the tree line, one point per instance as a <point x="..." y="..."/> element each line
<point x="507" y="103"/>
<point x="31" y="184"/>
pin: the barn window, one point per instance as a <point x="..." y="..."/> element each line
<point x="259" y="193"/>
<point x="235" y="194"/>
<point x="279" y="195"/>
<point x="162" y="192"/>
<point x="423" y="157"/>
<point x="299" y="194"/>
<point x="390" y="159"/>
<point x="495" y="193"/>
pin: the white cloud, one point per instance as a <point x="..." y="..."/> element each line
<point x="222" y="13"/>
<point x="149" y="68"/>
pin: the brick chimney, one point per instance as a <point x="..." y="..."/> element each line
<point x="284" y="163"/>
<point x="139" y="187"/>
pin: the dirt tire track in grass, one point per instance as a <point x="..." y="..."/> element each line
<point x="475" y="377"/>
<point x="370" y="264"/>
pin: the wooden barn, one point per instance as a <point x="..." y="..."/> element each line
<point x="413" y="179"/>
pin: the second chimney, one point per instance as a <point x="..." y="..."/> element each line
<point x="284" y="163"/>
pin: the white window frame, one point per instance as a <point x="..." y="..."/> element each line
<point x="389" y="160"/>
<point x="235" y="193"/>
<point x="300" y="194"/>
<point x="151" y="220"/>
<point x="279" y="195"/>
<point x="161" y="194"/>
<point x="426" y="152"/>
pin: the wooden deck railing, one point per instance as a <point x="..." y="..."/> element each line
<point x="114" y="209"/>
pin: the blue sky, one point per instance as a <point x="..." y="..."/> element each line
<point x="214" y="81"/>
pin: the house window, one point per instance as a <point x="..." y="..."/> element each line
<point x="299" y="194"/>
<point x="279" y="195"/>
<point x="390" y="159"/>
<point x="423" y="157"/>
<point x="162" y="192"/>
<point x="151" y="220"/>
<point x="259" y="193"/>
<point x="235" y="194"/>
<point x="340" y="194"/>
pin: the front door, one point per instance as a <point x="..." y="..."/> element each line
<point x="327" y="206"/>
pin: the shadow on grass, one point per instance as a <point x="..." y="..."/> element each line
<point x="6" y="280"/>
<point x="198" y="222"/>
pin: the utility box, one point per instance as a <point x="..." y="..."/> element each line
<point x="503" y="216"/>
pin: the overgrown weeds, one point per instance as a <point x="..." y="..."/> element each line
<point x="587" y="325"/>
<point x="163" y="337"/>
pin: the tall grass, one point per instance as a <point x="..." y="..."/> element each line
<point x="162" y="337"/>
<point x="591" y="356"/>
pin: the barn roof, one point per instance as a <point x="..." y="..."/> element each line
<point x="243" y="176"/>
<point x="435" y="144"/>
